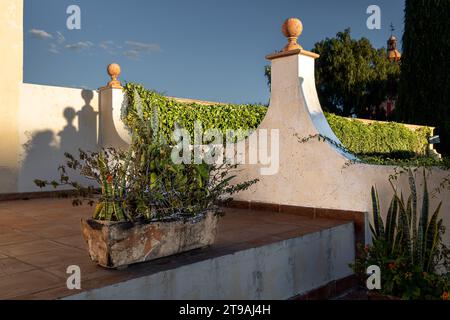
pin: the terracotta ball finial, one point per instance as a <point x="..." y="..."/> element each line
<point x="114" y="72"/>
<point x="292" y="28"/>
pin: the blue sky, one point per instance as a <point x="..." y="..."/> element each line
<point x="202" y="49"/>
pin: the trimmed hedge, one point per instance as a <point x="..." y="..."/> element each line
<point x="390" y="139"/>
<point x="222" y="117"/>
<point x="379" y="138"/>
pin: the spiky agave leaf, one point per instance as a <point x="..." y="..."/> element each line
<point x="104" y="172"/>
<point x="404" y="226"/>
<point x="409" y="211"/>
<point x="108" y="210"/>
<point x="409" y="223"/>
<point x="412" y="186"/>
<point x="397" y="247"/>
<point x="374" y="233"/>
<point x="118" y="212"/>
<point x="377" y="219"/>
<point x="422" y="224"/>
<point x="391" y="223"/>
<point x="432" y="238"/>
<point x="98" y="211"/>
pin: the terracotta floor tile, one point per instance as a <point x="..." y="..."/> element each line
<point x="9" y="266"/>
<point x="262" y="241"/>
<point x="62" y="291"/>
<point x="32" y="247"/>
<point x="16" y="237"/>
<point x="46" y="234"/>
<point x="324" y="223"/>
<point x="107" y="280"/>
<point x="296" y="233"/>
<point x="27" y="282"/>
<point x="15" y="220"/>
<point x="89" y="270"/>
<point x="63" y="257"/>
<point x="76" y="241"/>
<point x="55" y="231"/>
<point x="49" y="294"/>
<point x="5" y="228"/>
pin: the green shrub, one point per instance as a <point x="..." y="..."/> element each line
<point x="408" y="247"/>
<point x="380" y="138"/>
<point x="142" y="183"/>
<point x="171" y="112"/>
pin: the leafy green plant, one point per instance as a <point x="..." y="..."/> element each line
<point x="408" y="246"/>
<point x="402" y="160"/>
<point x="408" y="231"/>
<point x="380" y="138"/>
<point x="143" y="182"/>
<point x="173" y="113"/>
<point x="398" y="278"/>
<point x="376" y="141"/>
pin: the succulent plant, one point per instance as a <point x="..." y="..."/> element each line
<point x="408" y="231"/>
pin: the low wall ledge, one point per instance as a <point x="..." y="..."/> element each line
<point x="282" y="54"/>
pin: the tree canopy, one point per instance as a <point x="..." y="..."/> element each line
<point x="424" y="91"/>
<point x="352" y="77"/>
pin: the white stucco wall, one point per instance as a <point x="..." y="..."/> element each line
<point x="314" y="174"/>
<point x="52" y="121"/>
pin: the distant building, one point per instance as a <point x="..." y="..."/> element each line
<point x="393" y="54"/>
<point x="387" y="107"/>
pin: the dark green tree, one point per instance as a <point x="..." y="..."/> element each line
<point x="268" y="75"/>
<point x="352" y="77"/>
<point x="424" y="91"/>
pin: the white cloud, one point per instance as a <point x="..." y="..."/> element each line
<point x="135" y="49"/>
<point x="79" y="46"/>
<point x="109" y="46"/>
<point x="54" y="48"/>
<point x="60" y="38"/>
<point x="132" y="54"/>
<point x="40" y="34"/>
<point x="143" y="47"/>
<point x="106" y="44"/>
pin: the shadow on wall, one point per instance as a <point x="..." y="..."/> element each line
<point x="42" y="152"/>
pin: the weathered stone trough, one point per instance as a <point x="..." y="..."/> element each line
<point x="119" y="244"/>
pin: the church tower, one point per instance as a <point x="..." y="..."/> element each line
<point x="393" y="54"/>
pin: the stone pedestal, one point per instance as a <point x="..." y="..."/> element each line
<point x="113" y="132"/>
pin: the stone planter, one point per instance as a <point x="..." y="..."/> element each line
<point x="119" y="244"/>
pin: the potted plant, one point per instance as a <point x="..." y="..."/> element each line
<point x="146" y="206"/>
<point x="408" y="248"/>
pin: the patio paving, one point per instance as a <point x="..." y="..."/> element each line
<point x="40" y="238"/>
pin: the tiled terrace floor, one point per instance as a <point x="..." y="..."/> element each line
<point x="40" y="238"/>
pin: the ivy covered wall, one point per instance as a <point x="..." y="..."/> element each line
<point x="358" y="137"/>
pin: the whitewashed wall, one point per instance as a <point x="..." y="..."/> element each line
<point x="52" y="121"/>
<point x="314" y="174"/>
